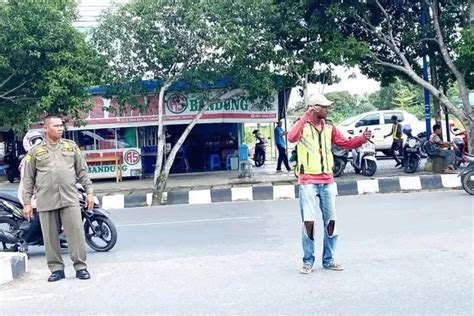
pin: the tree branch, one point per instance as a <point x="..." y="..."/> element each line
<point x="389" y="23"/>
<point x="449" y="61"/>
<point x="6" y="80"/>
<point x="3" y="95"/>
<point x="430" y="39"/>
<point x="426" y="84"/>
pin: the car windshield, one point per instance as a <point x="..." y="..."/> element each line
<point x="350" y="121"/>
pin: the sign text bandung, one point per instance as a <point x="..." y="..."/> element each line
<point x="105" y="169"/>
<point x="181" y="108"/>
<point x="131" y="163"/>
<point x="180" y="104"/>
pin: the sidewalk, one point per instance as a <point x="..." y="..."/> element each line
<point x="221" y="179"/>
<point x="266" y="184"/>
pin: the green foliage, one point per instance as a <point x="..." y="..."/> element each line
<point x="249" y="137"/>
<point x="45" y="64"/>
<point x="400" y="94"/>
<point x="170" y="40"/>
<point x="465" y="52"/>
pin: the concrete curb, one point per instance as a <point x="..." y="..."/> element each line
<point x="285" y="191"/>
<point x="13" y="265"/>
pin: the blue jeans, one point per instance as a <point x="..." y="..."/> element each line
<point x="327" y="204"/>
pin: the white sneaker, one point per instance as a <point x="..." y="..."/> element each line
<point x="306" y="269"/>
<point x="334" y="267"/>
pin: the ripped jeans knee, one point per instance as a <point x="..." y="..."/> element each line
<point x="308" y="228"/>
<point x="330" y="227"/>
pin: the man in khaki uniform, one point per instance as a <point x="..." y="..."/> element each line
<point x="53" y="167"/>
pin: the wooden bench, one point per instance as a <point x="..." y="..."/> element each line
<point x="116" y="160"/>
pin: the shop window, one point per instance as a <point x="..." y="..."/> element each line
<point x="127" y="137"/>
<point x="106" y="138"/>
<point x="85" y="140"/>
<point x="148" y="136"/>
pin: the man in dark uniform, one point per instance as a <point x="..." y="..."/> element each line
<point x="53" y="167"/>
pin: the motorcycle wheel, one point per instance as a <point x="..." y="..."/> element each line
<point x="259" y="159"/>
<point x="339" y="167"/>
<point x="101" y="235"/>
<point x="411" y="164"/>
<point x="467" y="183"/>
<point x="9" y="225"/>
<point x="369" y="167"/>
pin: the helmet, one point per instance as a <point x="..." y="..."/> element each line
<point x="32" y="138"/>
<point x="406" y="129"/>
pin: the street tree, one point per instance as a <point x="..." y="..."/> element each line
<point x="45" y="64"/>
<point x="175" y="41"/>
<point x="396" y="37"/>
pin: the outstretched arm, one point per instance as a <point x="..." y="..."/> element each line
<point x="341" y="141"/>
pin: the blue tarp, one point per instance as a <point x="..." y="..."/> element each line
<point x="152" y="86"/>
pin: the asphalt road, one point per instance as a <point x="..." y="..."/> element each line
<point x="403" y="253"/>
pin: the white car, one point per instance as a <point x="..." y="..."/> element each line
<point x="380" y="123"/>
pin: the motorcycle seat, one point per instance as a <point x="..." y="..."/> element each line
<point x="469" y="157"/>
<point x="10" y="198"/>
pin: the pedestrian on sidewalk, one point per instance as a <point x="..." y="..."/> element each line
<point x="397" y="143"/>
<point x="281" y="146"/>
<point x="52" y="167"/>
<point x="314" y="135"/>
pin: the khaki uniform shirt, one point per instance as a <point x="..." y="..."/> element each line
<point x="54" y="170"/>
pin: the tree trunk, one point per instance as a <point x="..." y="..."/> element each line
<point x="469" y="127"/>
<point x="160" y="187"/>
<point x="305" y="91"/>
<point x="161" y="143"/>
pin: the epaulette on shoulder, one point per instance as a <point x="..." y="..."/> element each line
<point x="71" y="142"/>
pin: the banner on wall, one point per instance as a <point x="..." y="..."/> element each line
<point x="180" y="108"/>
<point x="131" y="163"/>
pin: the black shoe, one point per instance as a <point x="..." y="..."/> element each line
<point x="56" y="276"/>
<point x="398" y="164"/>
<point x="83" y="274"/>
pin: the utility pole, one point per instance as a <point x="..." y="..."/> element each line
<point x="424" y="17"/>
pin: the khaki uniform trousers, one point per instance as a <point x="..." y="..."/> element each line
<point x="51" y="222"/>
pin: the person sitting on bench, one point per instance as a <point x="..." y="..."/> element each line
<point x="442" y="149"/>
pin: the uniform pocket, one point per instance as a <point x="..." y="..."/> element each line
<point x="42" y="161"/>
<point x="68" y="154"/>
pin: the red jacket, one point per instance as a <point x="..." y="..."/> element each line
<point x="337" y="138"/>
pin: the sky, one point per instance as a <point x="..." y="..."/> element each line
<point x="358" y="84"/>
<point x="90" y="10"/>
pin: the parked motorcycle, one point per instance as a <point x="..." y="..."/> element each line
<point x="423" y="140"/>
<point x="259" y="152"/>
<point x="100" y="231"/>
<point x="411" y="151"/>
<point x="363" y="159"/>
<point x="340" y="157"/>
<point x="461" y="146"/>
<point x="467" y="176"/>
